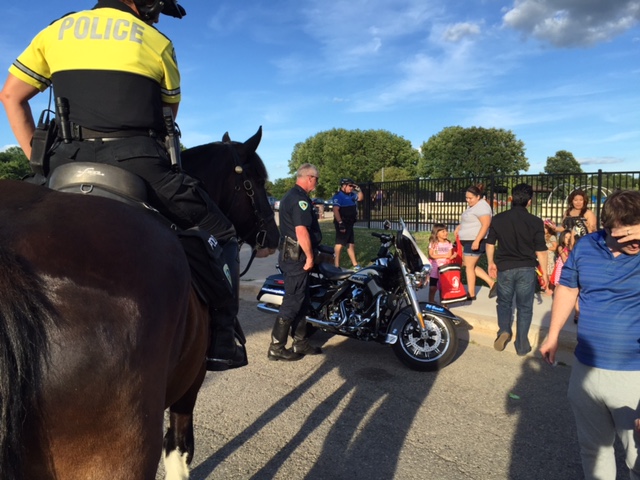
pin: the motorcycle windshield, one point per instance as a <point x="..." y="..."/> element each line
<point x="408" y="237"/>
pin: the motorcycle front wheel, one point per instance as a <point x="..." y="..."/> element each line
<point x="425" y="351"/>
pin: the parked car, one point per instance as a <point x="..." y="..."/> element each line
<point x="276" y="205"/>
<point x="318" y="206"/>
<point x="328" y="205"/>
<point x="272" y="202"/>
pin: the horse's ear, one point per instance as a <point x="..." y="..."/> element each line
<point x="226" y="138"/>
<point x="254" y="141"/>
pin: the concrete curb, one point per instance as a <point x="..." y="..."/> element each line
<point x="484" y="328"/>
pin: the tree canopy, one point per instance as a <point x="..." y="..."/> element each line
<point x="13" y="164"/>
<point x="475" y="151"/>
<point x="562" y="162"/>
<point x="281" y="186"/>
<point x="357" y="154"/>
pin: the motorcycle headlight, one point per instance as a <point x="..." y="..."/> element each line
<point x="417" y="280"/>
<point x="422" y="278"/>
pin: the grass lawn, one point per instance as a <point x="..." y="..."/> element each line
<point x="367" y="246"/>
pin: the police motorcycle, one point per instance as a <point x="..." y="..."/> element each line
<point x="379" y="303"/>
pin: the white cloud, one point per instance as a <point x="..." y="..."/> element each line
<point x="573" y="23"/>
<point x="355" y="34"/>
<point x="459" y="31"/>
<point x="599" y="161"/>
<point x="446" y="70"/>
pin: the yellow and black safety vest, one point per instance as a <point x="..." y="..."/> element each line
<point x="114" y="69"/>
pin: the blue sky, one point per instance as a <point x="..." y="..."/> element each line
<point x="560" y="74"/>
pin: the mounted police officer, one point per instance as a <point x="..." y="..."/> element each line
<point x="300" y="239"/>
<point x="113" y="73"/>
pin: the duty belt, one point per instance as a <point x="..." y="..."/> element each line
<point x="84" y="133"/>
<point x="290" y="249"/>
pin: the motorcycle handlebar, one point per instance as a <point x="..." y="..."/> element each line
<point x="382" y="236"/>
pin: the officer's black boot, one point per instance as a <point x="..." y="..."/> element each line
<point x="279" y="336"/>
<point x="226" y="346"/>
<point x="301" y="343"/>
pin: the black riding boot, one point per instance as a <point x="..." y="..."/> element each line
<point x="226" y="346"/>
<point x="278" y="348"/>
<point x="301" y="343"/>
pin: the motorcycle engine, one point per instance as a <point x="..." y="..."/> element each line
<point x="357" y="298"/>
<point x="351" y="309"/>
<point x="361" y="307"/>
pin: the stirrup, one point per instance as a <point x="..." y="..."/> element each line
<point x="221" y="364"/>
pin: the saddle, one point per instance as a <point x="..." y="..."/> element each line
<point x="101" y="180"/>
<point x="115" y="183"/>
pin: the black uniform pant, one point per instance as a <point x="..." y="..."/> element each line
<point x="176" y="195"/>
<point x="296" y="293"/>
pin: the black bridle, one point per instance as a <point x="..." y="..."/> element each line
<point x="243" y="182"/>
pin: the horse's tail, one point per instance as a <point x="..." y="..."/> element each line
<point x="25" y="316"/>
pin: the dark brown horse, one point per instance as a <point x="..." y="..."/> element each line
<point x="100" y="328"/>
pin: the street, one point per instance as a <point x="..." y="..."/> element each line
<point x="356" y="412"/>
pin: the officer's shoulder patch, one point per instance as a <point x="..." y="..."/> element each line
<point x="303" y="205"/>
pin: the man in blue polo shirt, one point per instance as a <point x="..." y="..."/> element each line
<point x="603" y="272"/>
<point x="345" y="215"/>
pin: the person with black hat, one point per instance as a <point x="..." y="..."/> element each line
<point x="114" y="76"/>
<point x="345" y="214"/>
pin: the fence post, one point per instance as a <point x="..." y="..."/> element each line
<point x="417" y="204"/>
<point x="599" y="199"/>
<point x="369" y="188"/>
<point x="492" y="182"/>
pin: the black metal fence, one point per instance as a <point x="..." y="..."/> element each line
<point x="423" y="202"/>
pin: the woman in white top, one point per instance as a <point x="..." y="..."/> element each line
<point x="473" y="228"/>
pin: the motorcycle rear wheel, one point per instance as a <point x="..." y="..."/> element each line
<point x="429" y="351"/>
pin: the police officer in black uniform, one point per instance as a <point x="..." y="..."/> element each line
<point x="301" y="237"/>
<point x="114" y="73"/>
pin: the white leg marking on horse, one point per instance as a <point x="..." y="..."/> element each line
<point x="175" y="466"/>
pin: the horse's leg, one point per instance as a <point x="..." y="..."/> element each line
<point x="121" y="440"/>
<point x="178" y="441"/>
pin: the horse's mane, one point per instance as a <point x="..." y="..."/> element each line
<point x="25" y="317"/>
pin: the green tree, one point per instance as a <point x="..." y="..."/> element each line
<point x="13" y="164"/>
<point x="562" y="162"/>
<point x="392" y="174"/>
<point x="281" y="186"/>
<point x="475" y="151"/>
<point x="358" y="154"/>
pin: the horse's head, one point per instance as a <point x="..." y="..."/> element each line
<point x="235" y="178"/>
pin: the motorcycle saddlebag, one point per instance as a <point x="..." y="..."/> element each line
<point x="272" y="290"/>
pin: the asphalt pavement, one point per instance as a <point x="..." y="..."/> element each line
<point x="356" y="413"/>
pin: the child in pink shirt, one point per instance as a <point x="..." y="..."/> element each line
<point x="440" y="252"/>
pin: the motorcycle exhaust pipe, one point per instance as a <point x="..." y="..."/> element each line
<point x="343" y="316"/>
<point x="316" y="321"/>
